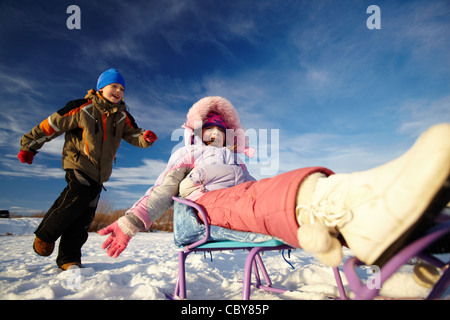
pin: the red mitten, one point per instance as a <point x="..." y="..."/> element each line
<point x="150" y="136"/>
<point x="26" y="157"/>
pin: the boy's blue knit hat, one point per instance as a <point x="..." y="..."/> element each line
<point x="108" y="77"/>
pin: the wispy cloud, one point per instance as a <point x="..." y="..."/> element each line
<point x="11" y="167"/>
<point x="339" y="153"/>
<point x="417" y="115"/>
<point x="128" y="184"/>
<point x="423" y="30"/>
<point x="145" y="174"/>
<point x="13" y="83"/>
<point x="155" y="116"/>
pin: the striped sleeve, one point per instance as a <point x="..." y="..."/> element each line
<point x="61" y="121"/>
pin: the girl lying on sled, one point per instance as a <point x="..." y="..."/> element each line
<point x="373" y="212"/>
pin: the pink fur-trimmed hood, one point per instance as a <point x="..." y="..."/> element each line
<point x="198" y="112"/>
<point x="197" y="115"/>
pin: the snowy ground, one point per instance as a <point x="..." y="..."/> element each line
<point x="148" y="268"/>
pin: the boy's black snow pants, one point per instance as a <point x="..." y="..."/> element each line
<point x="70" y="216"/>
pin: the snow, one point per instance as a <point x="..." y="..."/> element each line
<point x="148" y="267"/>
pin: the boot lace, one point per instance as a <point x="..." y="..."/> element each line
<point x="327" y="213"/>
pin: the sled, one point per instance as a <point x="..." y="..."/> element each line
<point x="253" y="263"/>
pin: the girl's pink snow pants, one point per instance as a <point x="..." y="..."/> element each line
<point x="266" y="206"/>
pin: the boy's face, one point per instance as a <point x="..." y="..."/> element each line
<point x="213" y="136"/>
<point x="113" y="92"/>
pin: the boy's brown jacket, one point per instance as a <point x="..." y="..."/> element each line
<point x="93" y="130"/>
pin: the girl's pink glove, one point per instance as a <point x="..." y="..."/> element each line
<point x="150" y="136"/>
<point x="116" y="242"/>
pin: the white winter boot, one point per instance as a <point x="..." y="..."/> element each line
<point x="377" y="211"/>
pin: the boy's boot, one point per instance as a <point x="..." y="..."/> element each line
<point x="71" y="265"/>
<point x="380" y="210"/>
<point x="43" y="248"/>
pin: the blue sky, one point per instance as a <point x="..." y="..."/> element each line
<point x="325" y="88"/>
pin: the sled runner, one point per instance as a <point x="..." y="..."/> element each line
<point x="212" y="238"/>
<point x="415" y="249"/>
